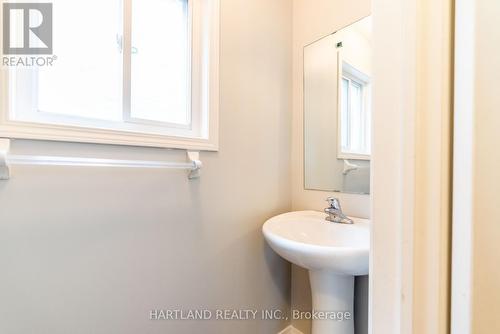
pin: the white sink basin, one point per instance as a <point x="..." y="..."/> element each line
<point x="334" y="253"/>
<point x="308" y="240"/>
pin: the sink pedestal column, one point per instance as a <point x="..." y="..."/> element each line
<point x="333" y="295"/>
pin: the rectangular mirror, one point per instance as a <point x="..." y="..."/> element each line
<point x="337" y="110"/>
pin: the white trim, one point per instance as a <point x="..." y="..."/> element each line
<point x="290" y="330"/>
<point x="206" y="139"/>
<point x="392" y="177"/>
<point x="462" y="247"/>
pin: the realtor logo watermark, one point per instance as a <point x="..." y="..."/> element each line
<point x="27" y="34"/>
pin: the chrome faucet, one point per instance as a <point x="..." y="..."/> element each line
<point x="335" y="214"/>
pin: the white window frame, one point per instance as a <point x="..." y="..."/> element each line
<point x="347" y="71"/>
<point x="204" y="31"/>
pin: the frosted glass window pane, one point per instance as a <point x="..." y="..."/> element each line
<point x="86" y="79"/>
<point x="356" y="121"/>
<point x="345" y="113"/>
<point x="160" y="61"/>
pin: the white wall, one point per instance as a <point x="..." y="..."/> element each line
<point x="313" y="19"/>
<point x="87" y="250"/>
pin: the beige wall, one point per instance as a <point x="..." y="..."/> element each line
<point x="486" y="209"/>
<point x="313" y="19"/>
<point x="87" y="250"/>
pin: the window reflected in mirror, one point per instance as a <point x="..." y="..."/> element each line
<point x="355" y="114"/>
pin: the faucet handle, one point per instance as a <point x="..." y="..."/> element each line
<point x="334" y="203"/>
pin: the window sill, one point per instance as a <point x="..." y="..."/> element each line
<point x="21" y="130"/>
<point x="354" y="156"/>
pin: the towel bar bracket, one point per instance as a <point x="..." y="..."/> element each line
<point x="4" y="167"/>
<point x="194" y="157"/>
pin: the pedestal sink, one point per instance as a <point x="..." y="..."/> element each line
<point x="333" y="253"/>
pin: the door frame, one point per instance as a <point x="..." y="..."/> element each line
<point x="412" y="166"/>
<point x="461" y="299"/>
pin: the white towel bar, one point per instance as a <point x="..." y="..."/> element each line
<point x="6" y="159"/>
